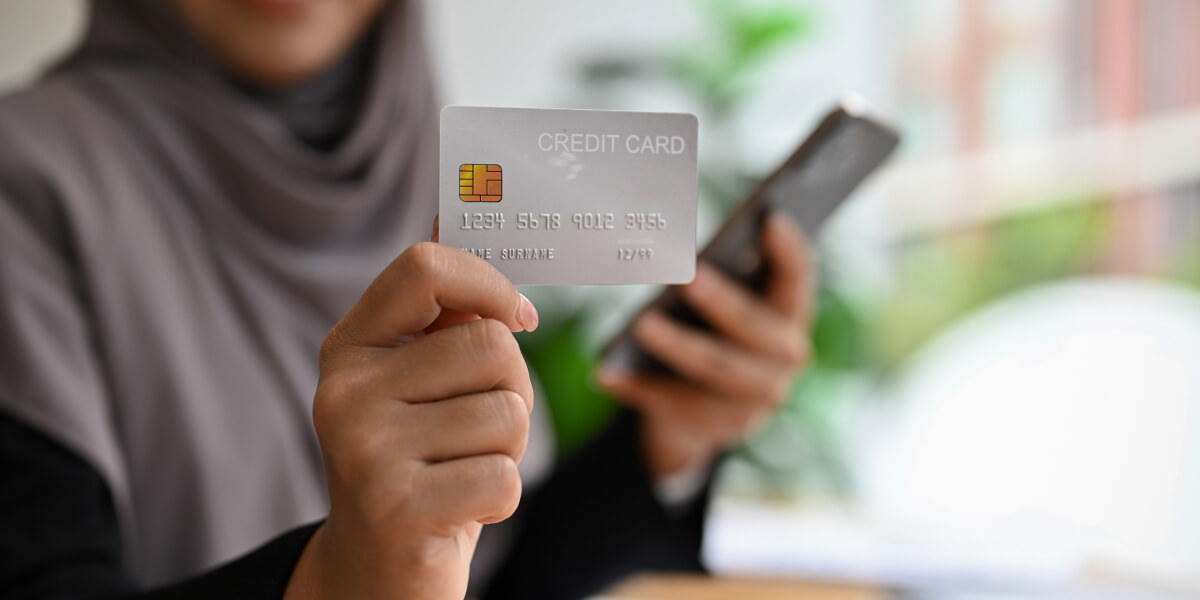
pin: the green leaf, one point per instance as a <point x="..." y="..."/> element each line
<point x="838" y="335"/>
<point x="559" y="357"/>
<point x="756" y="35"/>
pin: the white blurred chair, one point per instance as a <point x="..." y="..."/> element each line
<point x="1070" y="411"/>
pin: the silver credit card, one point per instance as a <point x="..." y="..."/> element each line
<point x="554" y="196"/>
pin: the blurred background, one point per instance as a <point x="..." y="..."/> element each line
<point x="1006" y="390"/>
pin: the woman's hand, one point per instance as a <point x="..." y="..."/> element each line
<point x="422" y="412"/>
<point x="732" y="377"/>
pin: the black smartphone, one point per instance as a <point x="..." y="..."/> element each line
<point x="846" y="147"/>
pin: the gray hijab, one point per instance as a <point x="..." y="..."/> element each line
<point x="147" y="67"/>
<point x="173" y="248"/>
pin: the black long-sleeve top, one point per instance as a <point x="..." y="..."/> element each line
<point x="595" y="521"/>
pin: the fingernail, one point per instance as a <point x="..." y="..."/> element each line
<point x="649" y="324"/>
<point x="704" y="275"/>
<point x="609" y="377"/>
<point x="528" y="315"/>
<point x="782" y="220"/>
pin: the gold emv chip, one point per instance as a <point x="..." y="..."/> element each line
<point x="480" y="183"/>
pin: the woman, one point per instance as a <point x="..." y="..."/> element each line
<point x="191" y="205"/>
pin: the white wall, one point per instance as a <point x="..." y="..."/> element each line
<point x="510" y="53"/>
<point x="523" y="53"/>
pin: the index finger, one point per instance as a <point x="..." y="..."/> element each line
<point x="421" y="283"/>
<point x="790" y="286"/>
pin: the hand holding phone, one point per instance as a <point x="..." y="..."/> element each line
<point x="840" y="153"/>
<point x="734" y="337"/>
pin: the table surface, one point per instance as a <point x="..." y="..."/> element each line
<point x="700" y="587"/>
